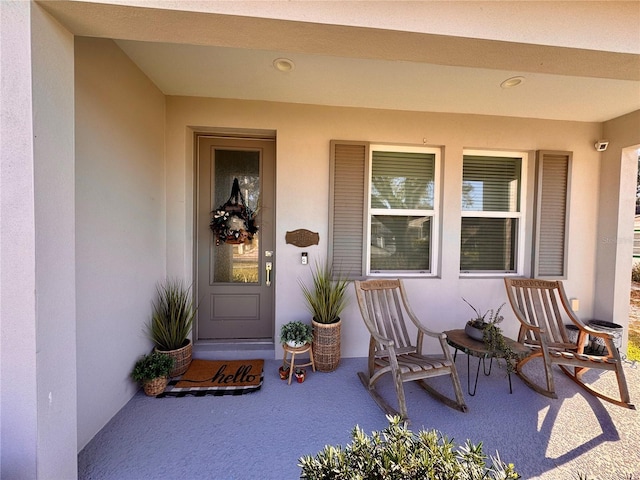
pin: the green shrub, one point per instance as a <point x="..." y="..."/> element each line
<point x="153" y="365"/>
<point x="173" y="314"/>
<point x="633" y="347"/>
<point x="397" y="453"/>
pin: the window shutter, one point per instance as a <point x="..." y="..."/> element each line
<point x="552" y="219"/>
<point x="347" y="194"/>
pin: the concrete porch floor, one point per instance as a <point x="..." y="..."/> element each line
<point x="262" y="435"/>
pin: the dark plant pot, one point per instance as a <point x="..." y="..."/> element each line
<point x="474" y="332"/>
<point x="284" y="373"/>
<point x="598" y="345"/>
<point x="300" y="374"/>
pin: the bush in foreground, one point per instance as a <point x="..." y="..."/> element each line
<point x="397" y="453"/>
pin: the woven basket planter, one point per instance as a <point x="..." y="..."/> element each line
<point x="156" y="386"/>
<point x="181" y="357"/>
<point x="326" y="345"/>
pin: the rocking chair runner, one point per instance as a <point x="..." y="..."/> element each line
<point x="542" y="307"/>
<point x="383" y="304"/>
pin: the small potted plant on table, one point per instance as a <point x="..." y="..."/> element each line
<point x="152" y="371"/>
<point x="484" y="328"/>
<point x="296" y="334"/>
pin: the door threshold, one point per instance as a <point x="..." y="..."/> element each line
<point x="234" y="349"/>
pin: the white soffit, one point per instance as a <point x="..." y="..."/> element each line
<point x="399" y="85"/>
<point x="580" y="59"/>
<point x="607" y="25"/>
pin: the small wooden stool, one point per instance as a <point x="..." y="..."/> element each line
<point x="295" y="351"/>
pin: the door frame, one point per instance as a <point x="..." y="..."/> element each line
<point x="225" y="134"/>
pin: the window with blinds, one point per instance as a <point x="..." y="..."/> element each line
<point x="401" y="206"/>
<point x="491" y="212"/>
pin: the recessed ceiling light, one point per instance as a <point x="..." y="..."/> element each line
<point x="512" y="82"/>
<point x="284" y="64"/>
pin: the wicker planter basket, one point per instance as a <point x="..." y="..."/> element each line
<point x="181" y="357"/>
<point x="326" y="345"/>
<point x="156" y="386"/>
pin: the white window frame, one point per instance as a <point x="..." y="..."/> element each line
<point x="520" y="215"/>
<point x="433" y="213"/>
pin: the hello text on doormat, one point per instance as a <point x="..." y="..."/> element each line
<point x="218" y="377"/>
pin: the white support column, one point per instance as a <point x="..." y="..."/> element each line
<point x="18" y="409"/>
<point x="38" y="427"/>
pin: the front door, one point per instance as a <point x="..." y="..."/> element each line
<point x="235" y="279"/>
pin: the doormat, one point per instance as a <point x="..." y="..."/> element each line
<point x="217" y="377"/>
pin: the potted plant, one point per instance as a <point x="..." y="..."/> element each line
<point x="300" y="373"/>
<point x="283" y="371"/>
<point x="326" y="299"/>
<point x="171" y="322"/>
<point x="152" y="371"/>
<point x="484" y="328"/>
<point x="296" y="334"/>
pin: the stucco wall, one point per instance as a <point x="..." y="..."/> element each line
<point x="53" y="146"/>
<point x="38" y="387"/>
<point x="120" y="224"/>
<point x="615" y="228"/>
<point x="303" y="135"/>
<point x="18" y="409"/>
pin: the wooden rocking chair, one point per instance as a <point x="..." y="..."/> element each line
<point x="542" y="308"/>
<point x="383" y="304"/>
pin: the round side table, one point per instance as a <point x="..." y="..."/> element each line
<point x="293" y="351"/>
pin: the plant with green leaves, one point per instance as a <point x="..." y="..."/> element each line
<point x="151" y="366"/>
<point x="172" y="317"/>
<point x="480" y="320"/>
<point x="296" y="332"/>
<point x="492" y="335"/>
<point x="326" y="297"/>
<point x="396" y="453"/>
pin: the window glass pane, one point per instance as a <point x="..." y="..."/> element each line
<point x="237" y="263"/>
<point x="488" y="244"/>
<point x="491" y="184"/>
<point x="402" y="180"/>
<point x="400" y="242"/>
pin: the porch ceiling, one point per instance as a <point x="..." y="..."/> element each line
<point x="593" y="74"/>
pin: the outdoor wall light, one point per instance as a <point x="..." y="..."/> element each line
<point x="284" y="64"/>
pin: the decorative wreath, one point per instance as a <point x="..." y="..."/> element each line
<point x="233" y="222"/>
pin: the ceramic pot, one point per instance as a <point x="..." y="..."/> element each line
<point x="284" y="373"/>
<point x="474" y="332"/>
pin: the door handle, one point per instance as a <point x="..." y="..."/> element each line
<point x="268" y="267"/>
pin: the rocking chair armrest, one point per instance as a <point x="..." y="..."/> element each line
<point x="538" y="332"/>
<point x="382" y="340"/>
<point x="430" y="333"/>
<point x="595" y="333"/>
